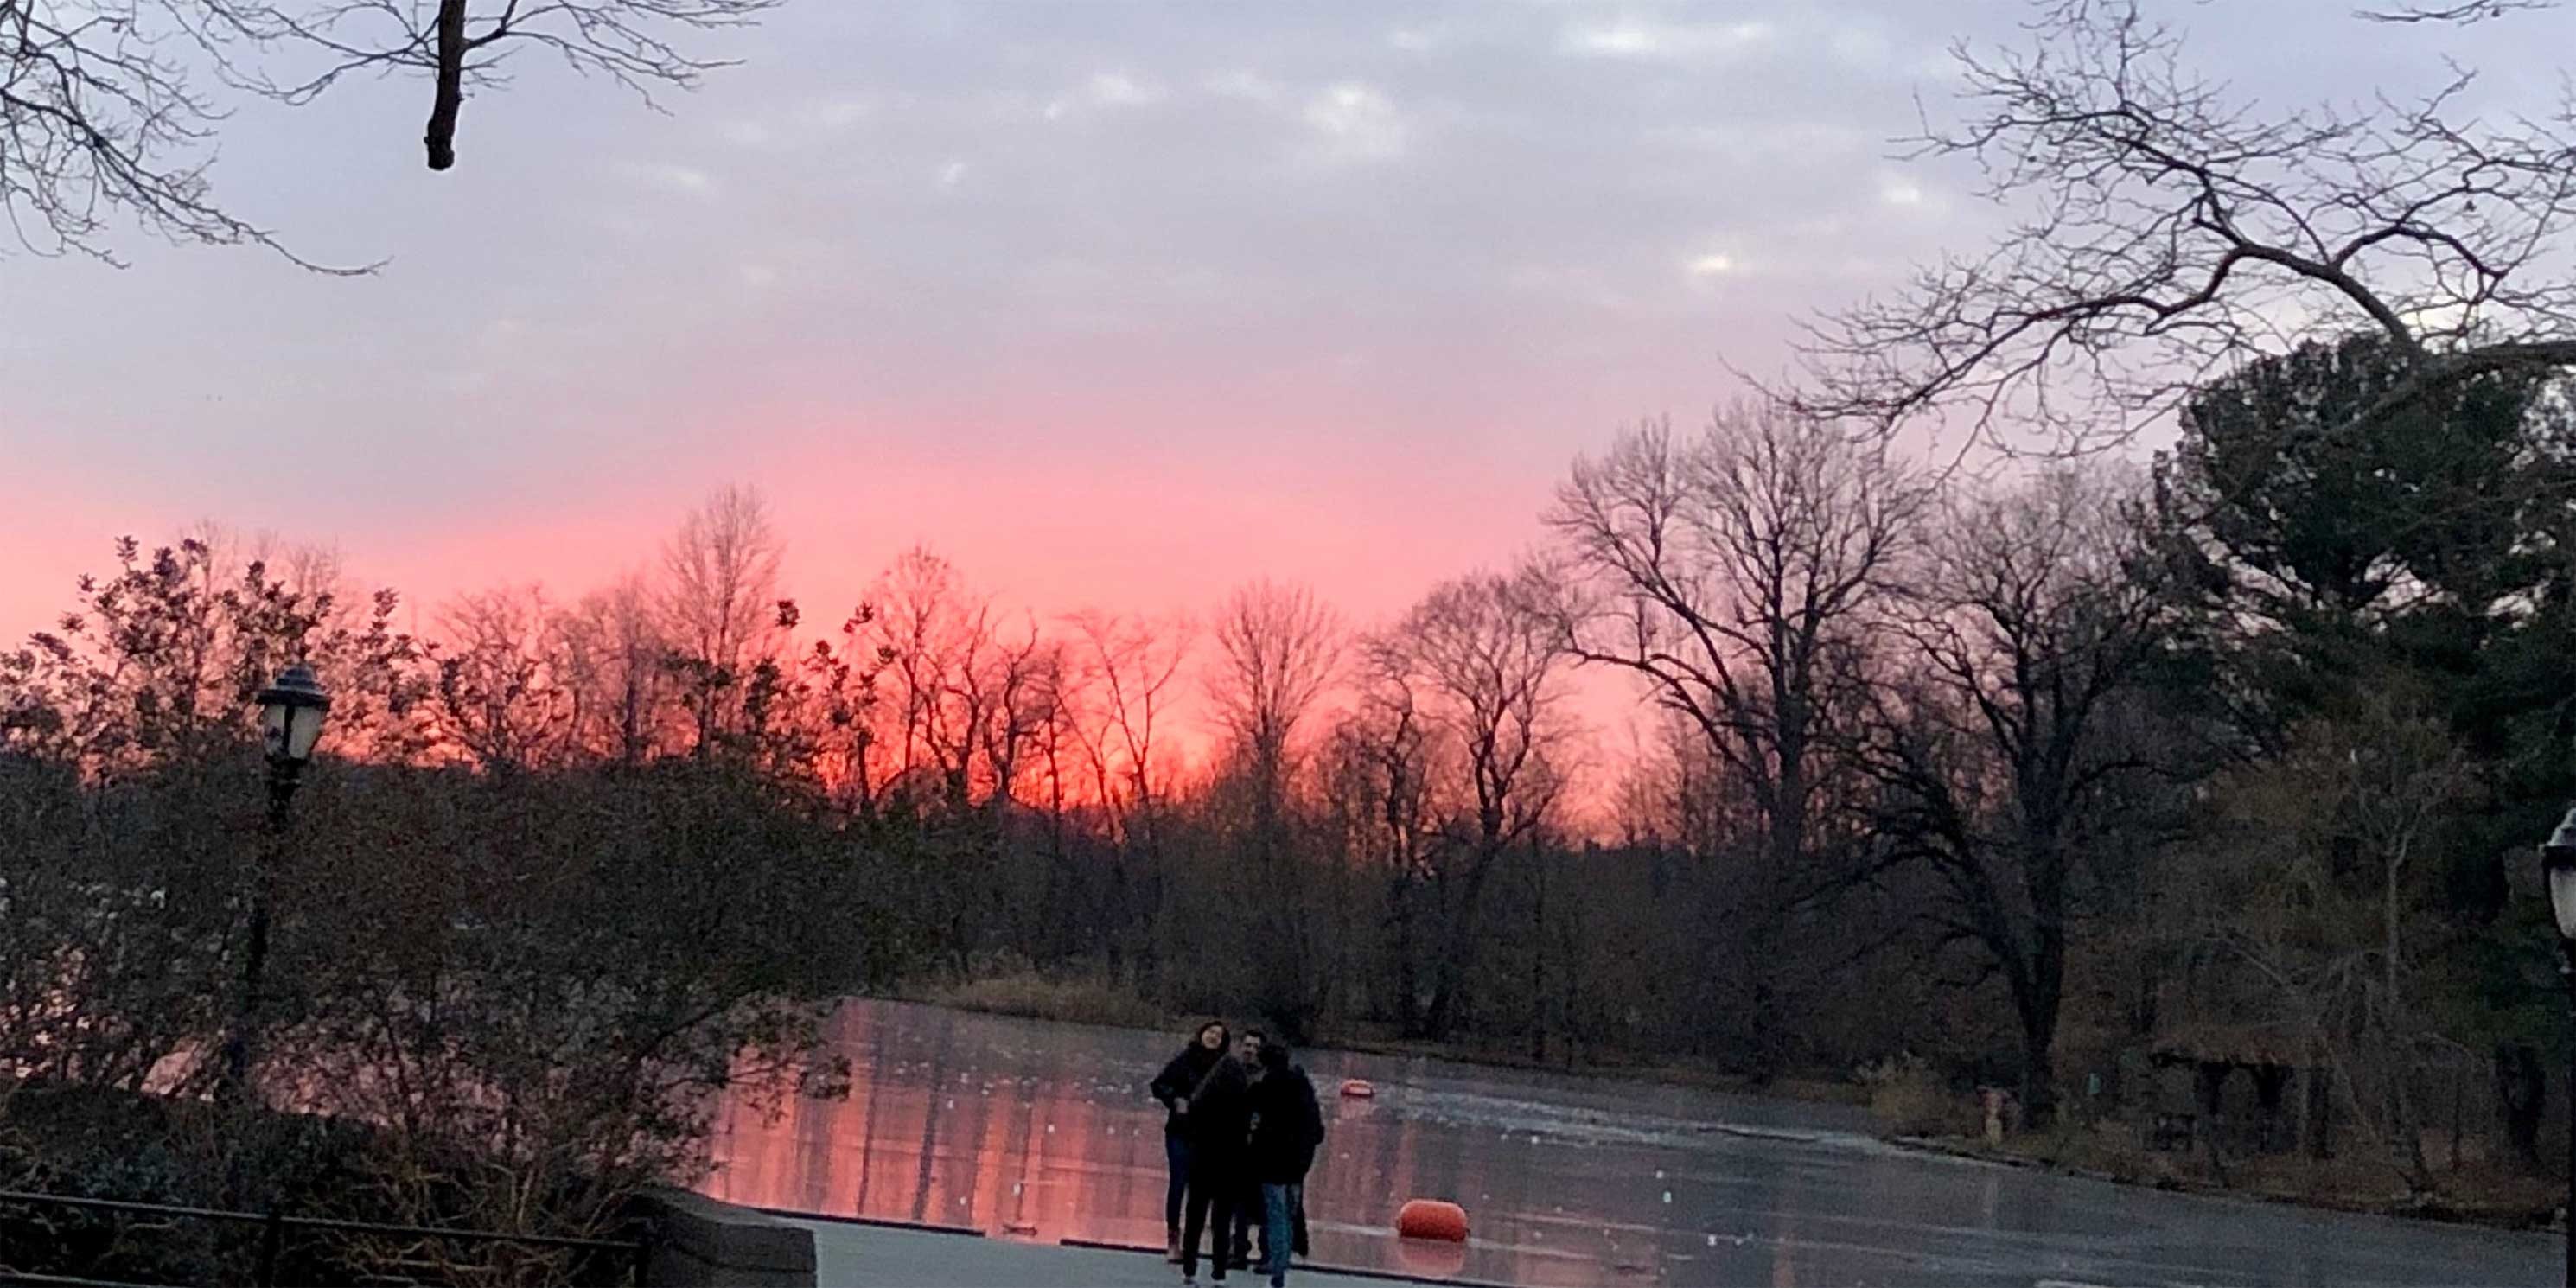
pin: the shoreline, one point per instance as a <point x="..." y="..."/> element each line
<point x="2516" y="1218"/>
<point x="2136" y="1170"/>
<point x="1810" y="1087"/>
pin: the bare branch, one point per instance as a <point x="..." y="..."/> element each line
<point x="102" y="113"/>
<point x="2168" y="231"/>
<point x="2468" y="11"/>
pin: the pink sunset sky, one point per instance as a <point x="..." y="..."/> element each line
<point x="1112" y="304"/>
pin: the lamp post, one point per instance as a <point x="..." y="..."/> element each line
<point x="291" y="710"/>
<point x="2558" y="866"/>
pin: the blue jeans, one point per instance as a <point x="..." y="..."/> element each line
<point x="1278" y="1208"/>
<point x="1176" y="1151"/>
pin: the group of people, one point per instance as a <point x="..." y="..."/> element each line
<point x="1241" y="1132"/>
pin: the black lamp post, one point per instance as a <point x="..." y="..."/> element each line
<point x="2558" y="866"/>
<point x="290" y="722"/>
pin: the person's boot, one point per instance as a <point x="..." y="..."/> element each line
<point x="1172" y="1248"/>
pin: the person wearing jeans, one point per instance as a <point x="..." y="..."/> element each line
<point x="1173" y="1087"/>
<point x="1287" y="1128"/>
<point x="1278" y="1203"/>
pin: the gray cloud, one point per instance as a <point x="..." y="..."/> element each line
<point x="1483" y="225"/>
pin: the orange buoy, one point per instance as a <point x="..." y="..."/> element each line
<point x="1432" y="1219"/>
<point x="1357" y="1088"/>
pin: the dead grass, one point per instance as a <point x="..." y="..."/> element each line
<point x="1086" y="998"/>
<point x="1909" y="1098"/>
<point x="2478" y="1192"/>
<point x="1067" y="999"/>
<point x="1613" y="1066"/>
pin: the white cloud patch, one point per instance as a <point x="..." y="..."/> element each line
<point x="1355" y="122"/>
<point x="1712" y="264"/>
<point x="1900" y="192"/>
<point x="1578" y="284"/>
<point x="1655" y="40"/>
<point x="671" y="178"/>
<point x="951" y="174"/>
<point x="1860" y="48"/>
<point x="840" y="113"/>
<point x="1802" y="144"/>
<point x="758" y="275"/>
<point x="1249" y="86"/>
<point x="1106" y="91"/>
<point x="1117" y="89"/>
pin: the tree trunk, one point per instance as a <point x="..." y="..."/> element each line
<point x="1458" y="945"/>
<point x="1538" y="954"/>
<point x="1408" y="990"/>
<point x="2039" y="1075"/>
<point x="2522" y="1087"/>
<point x="449" y="95"/>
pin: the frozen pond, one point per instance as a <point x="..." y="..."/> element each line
<point x="1040" y="1131"/>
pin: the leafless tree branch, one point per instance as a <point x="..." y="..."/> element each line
<point x="108" y="108"/>
<point x="2467" y="11"/>
<point x="2169" y="230"/>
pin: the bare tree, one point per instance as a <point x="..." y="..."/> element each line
<point x="720" y="600"/>
<point x="102" y="110"/>
<point x="1278" y="650"/>
<point x="1381" y="780"/>
<point x="501" y="697"/>
<point x="2172" y="229"/>
<point x="1131" y="665"/>
<point x="1730" y="572"/>
<point x="1483" y="670"/>
<point x="2024" y="628"/>
<point x="2320" y="898"/>
<point x="937" y="642"/>
<point x="621" y="690"/>
<point x="1013" y="695"/>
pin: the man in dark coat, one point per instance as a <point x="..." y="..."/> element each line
<point x="1173" y="1087"/>
<point x="1219" y="1128"/>
<point x="1287" y="1128"/>
<point x="1247" y="1198"/>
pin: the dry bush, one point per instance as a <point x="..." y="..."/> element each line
<point x="1079" y="997"/>
<point x="1909" y="1097"/>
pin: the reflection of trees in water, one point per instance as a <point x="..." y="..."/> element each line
<point x="914" y="1143"/>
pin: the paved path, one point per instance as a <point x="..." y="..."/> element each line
<point x="871" y="1256"/>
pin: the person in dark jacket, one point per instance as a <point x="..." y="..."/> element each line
<point x="1173" y="1087"/>
<point x="1287" y="1127"/>
<point x="1220" y="1125"/>
<point x="1247" y="1196"/>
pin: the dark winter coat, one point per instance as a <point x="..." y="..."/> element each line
<point x="1220" y="1119"/>
<point x="1179" y="1079"/>
<point x="1287" y="1127"/>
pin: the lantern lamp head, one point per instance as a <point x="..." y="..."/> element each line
<point x="2558" y="866"/>
<point x="290" y="715"/>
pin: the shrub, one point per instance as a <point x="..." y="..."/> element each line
<point x="1081" y="997"/>
<point x="1909" y="1097"/>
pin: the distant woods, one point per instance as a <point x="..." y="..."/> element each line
<point x="2015" y="775"/>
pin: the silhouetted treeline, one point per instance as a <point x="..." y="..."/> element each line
<point x="2026" y="776"/>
